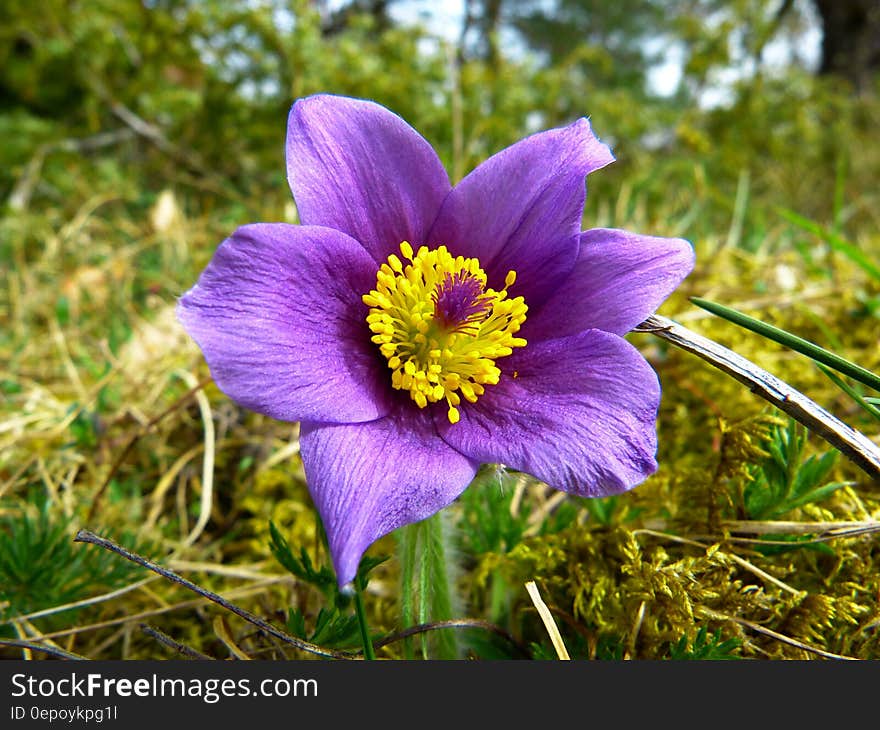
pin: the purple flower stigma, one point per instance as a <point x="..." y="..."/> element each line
<point x="460" y="301"/>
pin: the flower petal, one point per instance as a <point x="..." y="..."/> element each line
<point x="521" y="209"/>
<point x="619" y="279"/>
<point x="368" y="479"/>
<point x="279" y="317"/>
<point x="357" y="167"/>
<point x="579" y="413"/>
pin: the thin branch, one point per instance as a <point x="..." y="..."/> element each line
<point x="93" y="539"/>
<point x="461" y="623"/>
<point x="163" y="638"/>
<point x="53" y="650"/>
<point x="853" y="444"/>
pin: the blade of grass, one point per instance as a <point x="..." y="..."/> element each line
<point x="798" y="344"/>
<point x="851" y="251"/>
<point x="850" y="391"/>
<point x="548" y="620"/>
<point x="734" y="234"/>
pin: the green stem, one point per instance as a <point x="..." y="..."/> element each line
<point x="440" y="582"/>
<point x="369" y="652"/>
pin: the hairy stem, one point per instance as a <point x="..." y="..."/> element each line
<point x="426" y="591"/>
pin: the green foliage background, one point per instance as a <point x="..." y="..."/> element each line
<point x="137" y="135"/>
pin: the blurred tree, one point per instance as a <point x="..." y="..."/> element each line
<point x="714" y="35"/>
<point x="132" y="96"/>
<point x="615" y="43"/>
<point x="483" y="19"/>
<point x="851" y="40"/>
<point x="335" y="20"/>
<point x="182" y="79"/>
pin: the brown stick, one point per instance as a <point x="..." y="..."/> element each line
<point x="93" y="539"/>
<point x="163" y="638"/>
<point x="53" y="650"/>
<point x="461" y="623"/>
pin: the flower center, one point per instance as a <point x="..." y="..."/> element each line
<point x="440" y="328"/>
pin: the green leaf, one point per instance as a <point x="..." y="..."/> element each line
<point x="296" y="622"/>
<point x="301" y="567"/>
<point x="705" y="646"/>
<point x="784" y="481"/>
<point x="335" y="629"/>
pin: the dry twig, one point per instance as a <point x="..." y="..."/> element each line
<point x="93" y="539"/>
<point x="163" y="638"/>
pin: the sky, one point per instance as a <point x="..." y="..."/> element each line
<point x="444" y="19"/>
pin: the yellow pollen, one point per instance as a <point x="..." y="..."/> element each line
<point x="440" y="328"/>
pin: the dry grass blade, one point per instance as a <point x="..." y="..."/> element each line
<point x="718" y="616"/>
<point x="85" y="602"/>
<point x="242" y="592"/>
<point x="221" y="628"/>
<point x="549" y="621"/>
<point x="207" y="461"/>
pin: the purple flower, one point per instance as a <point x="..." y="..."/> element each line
<point x="417" y="330"/>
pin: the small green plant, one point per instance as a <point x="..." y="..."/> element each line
<point x="487" y="523"/>
<point x="335" y="626"/>
<point x="783" y="481"/>
<point x="40" y="567"/>
<point x="705" y="646"/>
<point x="332" y="628"/>
<point x="321" y="578"/>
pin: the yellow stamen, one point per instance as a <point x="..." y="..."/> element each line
<point x="440" y="328"/>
